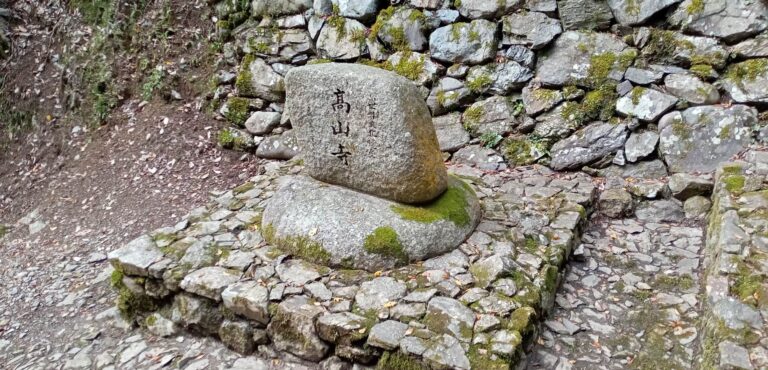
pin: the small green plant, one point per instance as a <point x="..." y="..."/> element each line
<point x="153" y="82"/>
<point x="490" y="139"/>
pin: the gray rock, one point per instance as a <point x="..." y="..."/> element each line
<point x="640" y="145"/>
<point x="696" y="207"/>
<point x="522" y="55"/>
<point x="683" y="186"/>
<point x="198" y="313"/>
<point x="249" y="299"/>
<point x="209" y="282"/>
<point x="736" y="315"/>
<point x="660" y="211"/>
<point x="747" y="82"/>
<point x="450" y="133"/>
<point x="446" y="351"/>
<point x="363" y="10"/>
<point x="731" y="20"/>
<point x="136" y="257"/>
<point x="752" y="48"/>
<point x="482" y="158"/>
<point x="448" y="95"/>
<point x="406" y="312"/>
<point x="643" y="76"/>
<point x="342" y="42"/>
<point x="555" y="125"/>
<point x="733" y="356"/>
<point x="283" y="146"/>
<point x="322" y="7"/>
<point x="568" y="61"/>
<point x="160" y="326"/>
<point x="654" y="169"/>
<point x="343" y="327"/>
<point x="449" y="316"/>
<point x="239" y="140"/>
<point x="616" y="203"/>
<point x="374" y="294"/>
<point x="429" y="70"/>
<point x="285" y="45"/>
<point x="691" y="89"/>
<point x="363" y="147"/>
<point x="532" y="29"/>
<point x="686" y="49"/>
<point x="584" y="14"/>
<point x="495" y="115"/>
<point x="645" y="104"/>
<point x="297" y="272"/>
<point x="500" y="78"/>
<point x="387" y="334"/>
<point x="699" y="138"/>
<point x="469" y="43"/>
<point x="404" y="29"/>
<point x="505" y="342"/>
<point x="237" y="335"/>
<point x="474" y="9"/>
<point x="258" y="80"/>
<point x="539" y="100"/>
<point x="541" y="5"/>
<point x="319" y="291"/>
<point x="588" y="145"/>
<point x="325" y="224"/>
<point x="428" y="4"/>
<point x="262" y="123"/>
<point x="292" y="329"/>
<point x="632" y="13"/>
<point x="489" y="269"/>
<point x="261" y="8"/>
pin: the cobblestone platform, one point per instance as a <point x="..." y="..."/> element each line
<point x="475" y="307"/>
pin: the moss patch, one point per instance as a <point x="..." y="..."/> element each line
<point x="398" y="361"/>
<point x="479" y="82"/>
<point x="408" y="67"/>
<point x="298" y="245"/>
<point x="451" y="206"/>
<point x="237" y="110"/>
<point x="734" y="184"/>
<point x="384" y="241"/>
<point x="747" y="71"/>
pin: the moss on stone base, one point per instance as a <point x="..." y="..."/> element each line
<point x="451" y="206"/>
<point x="384" y="241"/>
<point x="298" y="245"/>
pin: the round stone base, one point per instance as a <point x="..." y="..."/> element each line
<point x="339" y="227"/>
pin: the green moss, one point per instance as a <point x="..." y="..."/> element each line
<point x="517" y="150"/>
<point x="481" y="357"/>
<point x="244" y="188"/>
<point x="522" y="320"/>
<point x="661" y="45"/>
<point x="734" y="183"/>
<point x="398" y="361"/>
<point x="545" y="94"/>
<point x="725" y="133"/>
<point x="747" y="71"/>
<point x="297" y="245"/>
<point x="456" y="30"/>
<point x="530" y="244"/>
<point x="479" y="82"/>
<point x="408" y="66"/>
<point x="680" y="129"/>
<point x="636" y="94"/>
<point x="238" y="109"/>
<point x="749" y="285"/>
<point x="384" y="241"/>
<point x="151" y="320"/>
<point x="457" y="3"/>
<point x="116" y="279"/>
<point x="131" y="305"/>
<point x="472" y="117"/>
<point x="3" y="230"/>
<point x="337" y="22"/>
<point x="490" y="139"/>
<point x="244" y="80"/>
<point x="732" y="169"/>
<point x="695" y="7"/>
<point x="451" y="206"/>
<point x="381" y="20"/>
<point x="228" y="139"/>
<point x="667" y="282"/>
<point x="598" y="104"/>
<point x="600" y="66"/>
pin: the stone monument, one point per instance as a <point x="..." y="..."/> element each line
<point x="377" y="194"/>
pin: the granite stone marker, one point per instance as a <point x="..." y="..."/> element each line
<point x="367" y="129"/>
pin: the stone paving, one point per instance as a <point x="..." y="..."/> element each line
<point x="475" y="307"/>
<point x="630" y="299"/>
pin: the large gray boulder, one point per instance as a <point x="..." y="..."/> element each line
<point x="731" y="20"/>
<point x="494" y="115"/>
<point x="500" y="78"/>
<point x="635" y="12"/>
<point x="747" y="82"/>
<point x="752" y="48"/>
<point x="351" y="119"/>
<point x="469" y="43"/>
<point x="450" y="133"/>
<point x="584" y="14"/>
<point x="533" y="29"/>
<point x="699" y="138"/>
<point x="342" y="42"/>
<point x="136" y="257"/>
<point x="292" y="329"/>
<point x="568" y="61"/>
<point x="336" y="226"/>
<point x="403" y="29"/>
<point x="588" y="145"/>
